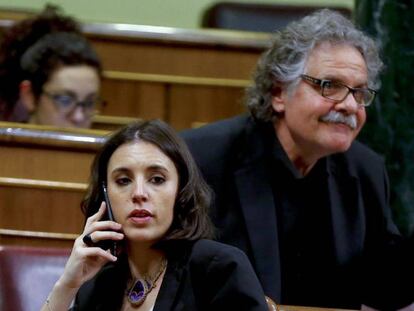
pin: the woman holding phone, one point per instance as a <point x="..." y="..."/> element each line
<point x="164" y="259"/>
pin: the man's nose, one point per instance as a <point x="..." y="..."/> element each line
<point x="349" y="105"/>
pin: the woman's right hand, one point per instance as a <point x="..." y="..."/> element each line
<point x="85" y="261"/>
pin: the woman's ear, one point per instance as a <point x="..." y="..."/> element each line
<point x="26" y="95"/>
<point x="278" y="99"/>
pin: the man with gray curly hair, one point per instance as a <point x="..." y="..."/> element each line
<point x="294" y="190"/>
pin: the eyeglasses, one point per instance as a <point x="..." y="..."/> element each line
<point x="338" y="92"/>
<point x="67" y="103"/>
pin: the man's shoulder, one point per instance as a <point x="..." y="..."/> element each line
<point x="360" y="151"/>
<point x="220" y="130"/>
<point x="360" y="157"/>
<point x="215" y="142"/>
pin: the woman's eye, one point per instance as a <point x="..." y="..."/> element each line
<point x="157" y="180"/>
<point x="122" y="181"/>
<point x="64" y="100"/>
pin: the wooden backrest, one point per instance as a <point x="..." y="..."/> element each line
<point x="177" y="75"/>
<point x="48" y="153"/>
<point x="43" y="178"/>
<point x="180" y="76"/>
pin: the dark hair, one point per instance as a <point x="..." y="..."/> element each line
<point x="53" y="51"/>
<point x="35" y="47"/>
<point x="191" y="221"/>
<point x="286" y="59"/>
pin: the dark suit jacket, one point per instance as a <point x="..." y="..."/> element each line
<point x="231" y="156"/>
<point x="204" y="275"/>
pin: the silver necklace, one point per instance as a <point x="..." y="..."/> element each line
<point x="140" y="289"/>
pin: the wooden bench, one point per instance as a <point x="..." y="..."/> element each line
<point x="110" y="123"/>
<point x="43" y="178"/>
<point x="181" y="76"/>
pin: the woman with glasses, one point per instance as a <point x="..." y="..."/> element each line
<point x="49" y="72"/>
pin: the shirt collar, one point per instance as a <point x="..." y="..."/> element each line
<point x="279" y="156"/>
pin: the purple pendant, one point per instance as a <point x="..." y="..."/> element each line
<point x="138" y="292"/>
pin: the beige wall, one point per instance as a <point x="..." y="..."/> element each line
<point x="172" y="13"/>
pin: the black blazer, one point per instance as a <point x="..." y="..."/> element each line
<point x="231" y="156"/>
<point x="204" y="275"/>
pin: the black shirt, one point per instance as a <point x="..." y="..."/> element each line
<point x="302" y="211"/>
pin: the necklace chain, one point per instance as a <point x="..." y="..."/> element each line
<point x="140" y="289"/>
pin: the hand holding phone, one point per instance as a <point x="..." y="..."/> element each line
<point x="108" y="244"/>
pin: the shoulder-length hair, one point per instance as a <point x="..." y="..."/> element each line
<point x="190" y="220"/>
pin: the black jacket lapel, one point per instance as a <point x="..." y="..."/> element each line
<point x="256" y="199"/>
<point x="168" y="294"/>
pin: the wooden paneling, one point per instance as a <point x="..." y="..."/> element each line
<point x="47" y="153"/>
<point x="180" y="101"/>
<point x="48" y="164"/>
<point x="40" y="213"/>
<point x="23" y="207"/>
<point x="35" y="238"/>
<point x="189" y="105"/>
<point x="175" y="59"/>
<point x="164" y="61"/>
<point x="145" y="100"/>
<point x="161" y="58"/>
<point x="43" y="178"/>
<point x="110" y="123"/>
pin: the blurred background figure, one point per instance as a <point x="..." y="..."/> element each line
<point x="49" y="72"/>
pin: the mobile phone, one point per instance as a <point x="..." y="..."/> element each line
<point x="108" y="244"/>
<point x="107" y="202"/>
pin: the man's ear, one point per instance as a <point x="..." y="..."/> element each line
<point x="278" y="99"/>
<point x="26" y="95"/>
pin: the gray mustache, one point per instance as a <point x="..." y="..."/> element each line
<point x="339" y="117"/>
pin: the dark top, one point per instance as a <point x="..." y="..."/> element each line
<point x="324" y="240"/>
<point x="302" y="218"/>
<point x="202" y="275"/>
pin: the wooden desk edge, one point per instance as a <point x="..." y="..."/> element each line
<point x="17" y="133"/>
<point x="206" y="37"/>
